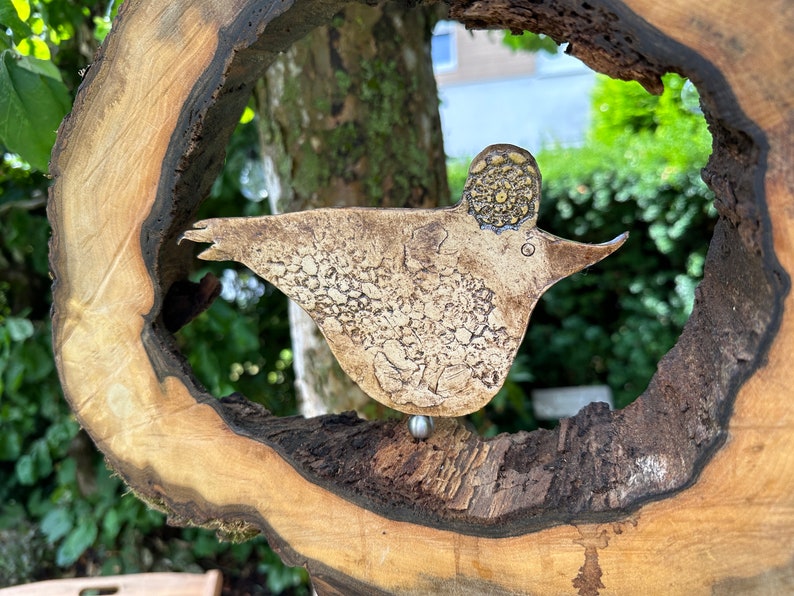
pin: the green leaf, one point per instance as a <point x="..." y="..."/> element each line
<point x="23" y="8"/>
<point x="10" y="445"/>
<point x="111" y="525"/>
<point x="248" y="115"/>
<point x="9" y="17"/>
<point x="78" y="540"/>
<point x="10" y="516"/>
<point x="41" y="458"/>
<point x="19" y="329"/>
<point x="530" y="42"/>
<point x="34" y="46"/>
<point x="35" y="464"/>
<point x="67" y="472"/>
<point x="26" y="470"/>
<point x="42" y="67"/>
<point x="37" y="360"/>
<point x="102" y="27"/>
<point x="14" y="376"/>
<point x="56" y="524"/>
<point x="32" y="104"/>
<point x="60" y="433"/>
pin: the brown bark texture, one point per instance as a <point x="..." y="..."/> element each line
<point x="688" y="490"/>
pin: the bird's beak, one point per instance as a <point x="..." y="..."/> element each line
<point x="566" y="257"/>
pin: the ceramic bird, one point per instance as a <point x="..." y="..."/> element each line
<point x="424" y="308"/>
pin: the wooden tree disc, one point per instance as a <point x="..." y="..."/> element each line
<point x="688" y="490"/>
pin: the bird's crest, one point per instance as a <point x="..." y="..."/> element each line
<point x="503" y="188"/>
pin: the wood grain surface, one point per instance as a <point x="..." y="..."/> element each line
<point x="688" y="491"/>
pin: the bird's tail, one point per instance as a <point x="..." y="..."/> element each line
<point x="218" y="233"/>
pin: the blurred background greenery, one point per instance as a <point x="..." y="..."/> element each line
<point x="63" y="514"/>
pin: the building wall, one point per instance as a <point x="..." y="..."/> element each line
<point x="481" y="56"/>
<point x="490" y="94"/>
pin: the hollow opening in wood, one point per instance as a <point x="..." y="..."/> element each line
<point x="594" y="463"/>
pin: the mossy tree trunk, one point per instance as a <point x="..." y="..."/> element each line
<point x="349" y="117"/>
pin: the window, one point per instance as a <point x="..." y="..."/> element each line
<point x="444" y="50"/>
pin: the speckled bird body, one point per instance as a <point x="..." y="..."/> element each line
<point x="424" y="308"/>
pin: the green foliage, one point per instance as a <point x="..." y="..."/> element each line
<point x="61" y="510"/>
<point x="33" y="96"/>
<point x="457" y="172"/>
<point x="530" y="42"/>
<point x="37" y="426"/>
<point x="52" y="480"/>
<point x="33" y="101"/>
<point x="41" y="42"/>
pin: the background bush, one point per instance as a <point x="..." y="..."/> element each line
<point x="64" y="514"/>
